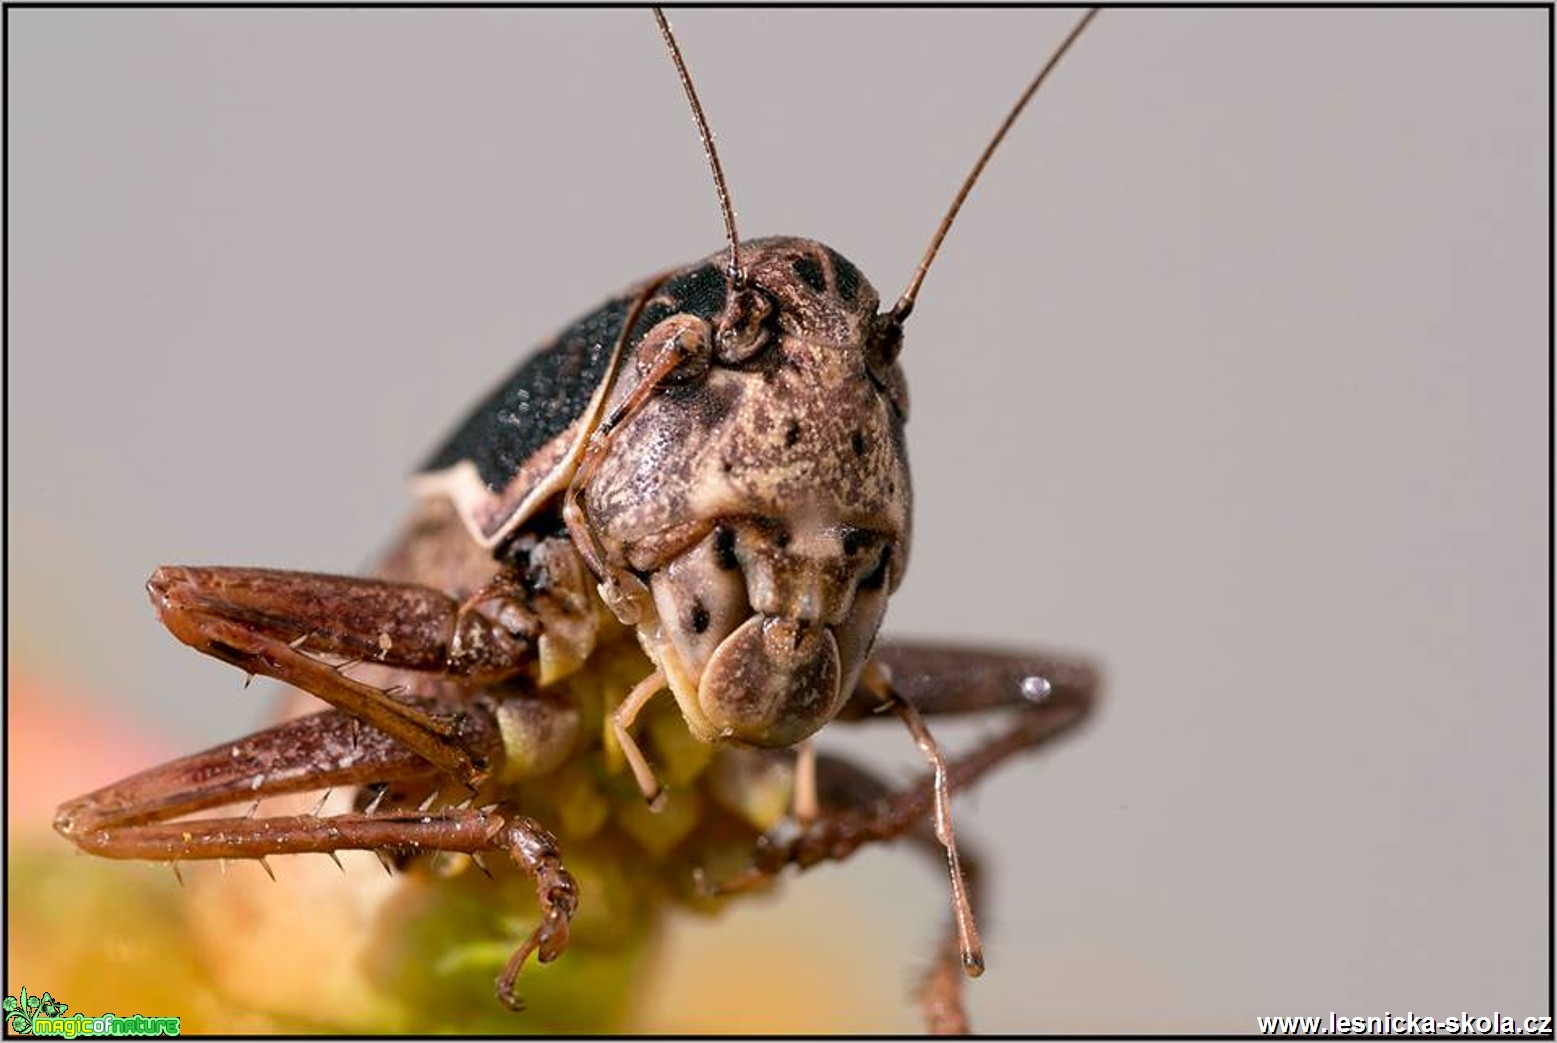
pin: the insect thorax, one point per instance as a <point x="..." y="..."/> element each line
<point x="755" y="487"/>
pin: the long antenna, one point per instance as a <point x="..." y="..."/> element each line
<point x="737" y="276"/>
<point x="905" y="303"/>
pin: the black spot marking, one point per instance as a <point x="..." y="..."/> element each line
<point x="791" y="434"/>
<point x="810" y="273"/>
<point x="698" y="619"/>
<point x="845" y="274"/>
<point x="724" y="547"/>
<point x="857" y="441"/>
<point x="853" y="540"/>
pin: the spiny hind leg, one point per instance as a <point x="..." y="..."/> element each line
<point x="265" y="621"/>
<point x="472" y="831"/>
<point x="316" y="752"/>
<point x="537" y="854"/>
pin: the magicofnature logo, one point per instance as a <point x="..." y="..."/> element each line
<point x="45" y="1016"/>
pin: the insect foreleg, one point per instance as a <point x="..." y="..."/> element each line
<point x="837" y="834"/>
<point x="949" y="680"/>
<point x="806" y="804"/>
<point x="1049" y="695"/>
<point x="261" y="621"/>
<point x="621" y="721"/>
<point x="940" y="989"/>
<point x="962" y="906"/>
<point x="843" y="785"/>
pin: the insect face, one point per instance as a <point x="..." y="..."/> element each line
<point x="761" y="497"/>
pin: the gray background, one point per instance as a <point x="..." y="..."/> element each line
<point x="1234" y="374"/>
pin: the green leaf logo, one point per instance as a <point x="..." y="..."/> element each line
<point x="19" y="1012"/>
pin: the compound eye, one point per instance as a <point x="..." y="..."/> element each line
<point x="743" y="326"/>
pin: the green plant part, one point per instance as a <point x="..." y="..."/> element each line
<point x="21" y="1011"/>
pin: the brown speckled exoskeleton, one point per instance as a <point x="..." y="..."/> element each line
<point x="701" y="486"/>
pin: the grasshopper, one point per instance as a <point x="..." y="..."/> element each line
<point x="638" y="579"/>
